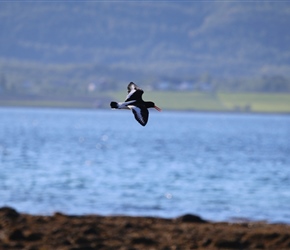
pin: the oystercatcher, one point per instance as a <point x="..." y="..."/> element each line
<point x="135" y="102"/>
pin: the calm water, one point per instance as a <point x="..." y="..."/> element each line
<point x="218" y="166"/>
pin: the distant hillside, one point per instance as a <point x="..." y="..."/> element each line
<point x="218" y="37"/>
<point x="137" y="40"/>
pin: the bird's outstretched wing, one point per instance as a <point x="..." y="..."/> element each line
<point x="132" y="86"/>
<point x="134" y="92"/>
<point x="141" y="114"/>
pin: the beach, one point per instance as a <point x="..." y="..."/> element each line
<point x="88" y="232"/>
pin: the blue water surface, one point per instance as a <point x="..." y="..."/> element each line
<point x="218" y="166"/>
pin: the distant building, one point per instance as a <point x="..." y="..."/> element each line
<point x="91" y="87"/>
<point x="164" y="85"/>
<point x="184" y="86"/>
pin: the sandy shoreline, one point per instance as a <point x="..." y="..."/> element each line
<point x="63" y="232"/>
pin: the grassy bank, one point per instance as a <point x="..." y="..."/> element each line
<point x="194" y="101"/>
<point x="257" y="102"/>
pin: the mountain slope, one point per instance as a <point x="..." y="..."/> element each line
<point x="164" y="38"/>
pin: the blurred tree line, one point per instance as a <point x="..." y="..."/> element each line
<point x="18" y="78"/>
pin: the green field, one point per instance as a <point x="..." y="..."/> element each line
<point x="193" y="101"/>
<point x="235" y="102"/>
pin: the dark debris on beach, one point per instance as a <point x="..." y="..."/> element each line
<point x="88" y="232"/>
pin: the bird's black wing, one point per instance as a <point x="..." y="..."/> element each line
<point x="135" y="95"/>
<point x="134" y="92"/>
<point x="141" y="114"/>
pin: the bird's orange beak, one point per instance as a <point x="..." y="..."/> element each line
<point x="157" y="108"/>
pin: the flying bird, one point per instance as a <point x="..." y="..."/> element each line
<point x="135" y="103"/>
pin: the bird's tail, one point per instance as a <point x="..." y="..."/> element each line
<point x="114" y="105"/>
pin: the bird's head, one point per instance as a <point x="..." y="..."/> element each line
<point x="152" y="105"/>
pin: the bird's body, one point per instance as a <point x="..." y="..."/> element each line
<point x="135" y="102"/>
